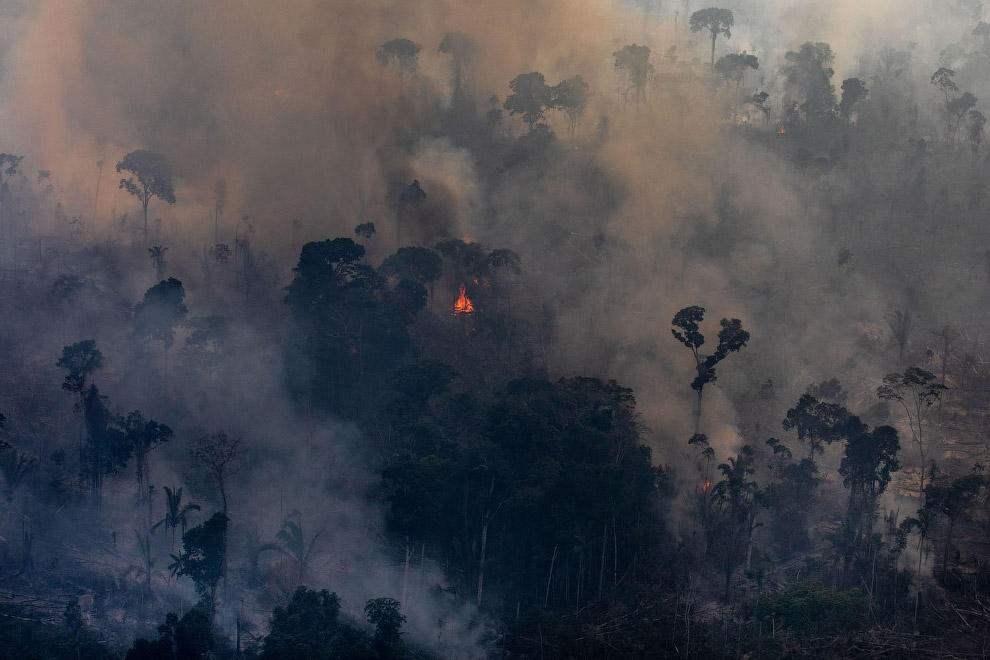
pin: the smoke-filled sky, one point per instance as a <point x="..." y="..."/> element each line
<point x="287" y="102"/>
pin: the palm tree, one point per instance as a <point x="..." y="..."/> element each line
<point x="292" y="545"/>
<point x="158" y="257"/>
<point x="176" y="515"/>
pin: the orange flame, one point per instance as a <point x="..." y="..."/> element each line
<point x="782" y="130"/>
<point x="706" y="486"/>
<point x="463" y="304"/>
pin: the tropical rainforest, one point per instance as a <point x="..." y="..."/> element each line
<point x="529" y="329"/>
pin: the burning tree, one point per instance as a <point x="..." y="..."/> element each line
<point x="686" y="330"/>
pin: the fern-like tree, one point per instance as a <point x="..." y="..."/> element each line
<point x="176" y="513"/>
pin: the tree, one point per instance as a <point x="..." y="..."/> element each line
<point x="14" y="468"/>
<point x="157" y="254"/>
<point x="176" y="513"/>
<point x="143" y="436"/>
<point x="411" y="195"/>
<point x="220" y="456"/>
<point x="853" y="91"/>
<point x="867" y="464"/>
<point x="202" y="558"/>
<point x="818" y="422"/>
<point x="916" y="390"/>
<point x="384" y="615"/>
<point x="942" y="80"/>
<point x="977" y="122"/>
<point x="952" y="501"/>
<point x="901" y="326"/>
<point x="400" y="53"/>
<point x="738" y="495"/>
<point x="293" y="547"/>
<point x="716" y="21"/>
<point x="219" y="200"/>
<point x="420" y="265"/>
<point x="10" y="166"/>
<point x="571" y="96"/>
<point x="106" y="451"/>
<point x="686" y="330"/>
<point x="159" y="312"/>
<point x="809" y="73"/>
<point x="733" y="67"/>
<point x="531" y="97"/>
<point x="635" y="60"/>
<point x="461" y="49"/>
<point x="761" y="101"/>
<point x="957" y="109"/>
<point x="80" y="360"/>
<point x="151" y="177"/>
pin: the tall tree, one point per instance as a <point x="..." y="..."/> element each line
<point x="916" y="390"/>
<point x="202" y="558"/>
<point x="530" y="97"/>
<point x="403" y="54"/>
<point x="809" y="75"/>
<point x="461" y="49"/>
<point x="158" y="314"/>
<point x="819" y="423"/>
<point x="687" y="330"/>
<point x="176" y="513"/>
<point x="853" y="91"/>
<point x="570" y="96"/>
<point x="716" y="21"/>
<point x="951" y="501"/>
<point x="144" y="435"/>
<point x="867" y="464"/>
<point x="635" y="61"/>
<point x="220" y="456"/>
<point x="151" y="177"/>
<point x="219" y="201"/>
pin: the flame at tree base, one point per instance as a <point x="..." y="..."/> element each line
<point x="463" y="304"/>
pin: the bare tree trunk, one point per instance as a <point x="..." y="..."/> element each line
<point x="481" y="560"/>
<point x="405" y="573"/>
<point x="601" y="572"/>
<point x="553" y="559"/>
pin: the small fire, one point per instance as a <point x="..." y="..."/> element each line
<point x="782" y="130"/>
<point x="463" y="304"/>
<point x="707" y="485"/>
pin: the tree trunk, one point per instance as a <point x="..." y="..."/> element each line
<point x="601" y="572"/>
<point x="714" y="36"/>
<point x="553" y="559"/>
<point x="405" y="574"/>
<point x="481" y="560"/>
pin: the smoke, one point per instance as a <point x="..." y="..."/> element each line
<point x="655" y="207"/>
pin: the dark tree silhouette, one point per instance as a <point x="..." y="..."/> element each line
<point x="686" y="330"/>
<point x="151" y="177"/>
<point x="531" y="97"/>
<point x="716" y="21"/>
<point x="402" y="54"/>
<point x="635" y="61"/>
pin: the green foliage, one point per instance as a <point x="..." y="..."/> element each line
<point x="810" y="608"/>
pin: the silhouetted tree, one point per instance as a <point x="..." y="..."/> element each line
<point x="853" y="91"/>
<point x="461" y="49"/>
<point x="531" y="97"/>
<point x="952" y="501"/>
<point x="635" y="60"/>
<point x="571" y="96"/>
<point x="151" y="177"/>
<point x="400" y="53"/>
<point x="809" y="73"/>
<point x="716" y="21"/>
<point x="686" y="330"/>
<point x="159" y="312"/>
<point x="202" y="559"/>
<point x="916" y="390"/>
